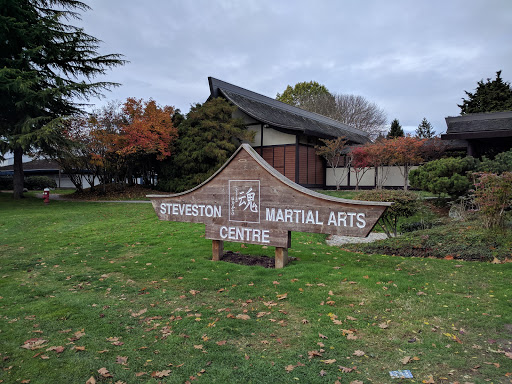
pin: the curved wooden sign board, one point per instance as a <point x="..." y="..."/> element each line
<point x="248" y="201"/>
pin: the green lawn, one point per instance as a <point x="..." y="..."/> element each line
<point x="105" y="290"/>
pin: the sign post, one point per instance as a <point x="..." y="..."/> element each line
<point x="248" y="201"/>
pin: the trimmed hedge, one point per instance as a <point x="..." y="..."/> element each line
<point x="6" y="182"/>
<point x="39" y="182"/>
<point x="405" y="204"/>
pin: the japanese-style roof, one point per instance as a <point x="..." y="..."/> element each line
<point x="281" y="115"/>
<point x="479" y="125"/>
<point x="35" y="165"/>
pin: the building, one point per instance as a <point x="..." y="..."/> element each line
<point x="481" y="133"/>
<point x="286" y="136"/>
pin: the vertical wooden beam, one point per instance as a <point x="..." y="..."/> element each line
<point x="297" y="167"/>
<point x="217" y="249"/>
<point x="281" y="257"/>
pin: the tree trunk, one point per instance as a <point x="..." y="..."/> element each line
<point x="406" y="177"/>
<point x="18" y="177"/>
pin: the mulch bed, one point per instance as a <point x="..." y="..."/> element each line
<point x="238" y="258"/>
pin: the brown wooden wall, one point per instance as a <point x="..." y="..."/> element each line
<point x="282" y="158"/>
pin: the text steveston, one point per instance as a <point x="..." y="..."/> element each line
<point x="277" y="215"/>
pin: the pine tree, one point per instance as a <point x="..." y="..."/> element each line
<point x="491" y="96"/>
<point x="425" y="130"/>
<point x="395" y="130"/>
<point x="207" y="137"/>
<point x="45" y="66"/>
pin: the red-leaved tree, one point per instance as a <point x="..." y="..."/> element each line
<point x="405" y="152"/>
<point x="360" y="163"/>
<point x="146" y="137"/>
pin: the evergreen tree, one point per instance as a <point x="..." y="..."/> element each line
<point x="491" y="96"/>
<point x="207" y="137"/>
<point x="425" y="130"/>
<point x="45" y="65"/>
<point x="395" y="130"/>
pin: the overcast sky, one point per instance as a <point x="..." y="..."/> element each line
<point x="412" y="58"/>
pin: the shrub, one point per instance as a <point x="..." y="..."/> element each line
<point x="419" y="225"/>
<point x="6" y="182"/>
<point x="405" y="204"/>
<point x="39" y="182"/>
<point x="493" y="196"/>
<point x="450" y="176"/>
<point x="501" y="163"/>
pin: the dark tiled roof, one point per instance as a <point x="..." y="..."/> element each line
<point x="35" y="165"/>
<point x="480" y="122"/>
<point x="281" y="115"/>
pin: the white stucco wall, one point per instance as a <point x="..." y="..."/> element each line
<point x="394" y="177"/>
<point x="271" y="137"/>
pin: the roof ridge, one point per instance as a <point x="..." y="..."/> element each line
<point x="220" y="84"/>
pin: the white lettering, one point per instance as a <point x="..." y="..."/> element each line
<point x="342" y="217"/>
<point x="351" y="214"/>
<point x="254" y="235"/>
<point x="279" y="216"/>
<point x="162" y="208"/>
<point x="270" y="214"/>
<point x="332" y="219"/>
<point x="361" y="222"/>
<point x="310" y="219"/>
<point x="318" y="221"/>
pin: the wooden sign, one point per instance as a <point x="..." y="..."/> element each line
<point x="248" y="201"/>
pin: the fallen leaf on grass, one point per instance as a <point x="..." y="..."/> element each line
<point x="351" y="318"/>
<point x="322" y="373"/>
<point x="243" y="317"/>
<point x="35" y="343"/>
<point x="77" y="335"/>
<point x="198" y="346"/>
<point x="282" y="296"/>
<point x="351" y="336"/>
<point x="289" y="368"/>
<point x="430" y="380"/>
<point x="383" y="325"/>
<point x="91" y="380"/>
<point x="358" y="353"/>
<point x="223" y="342"/>
<point x="322" y="336"/>
<point x="312" y="354"/>
<point x="104" y="372"/>
<point x="405" y="360"/>
<point x="122" y="360"/>
<point x="141" y="312"/>
<point x="193" y="292"/>
<point x="329" y="361"/>
<point x="356" y="382"/>
<point x="161" y="374"/>
<point x="58" y="349"/>
<point x="345" y="369"/>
